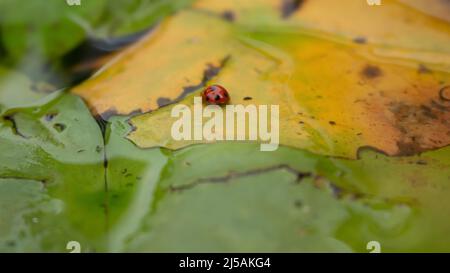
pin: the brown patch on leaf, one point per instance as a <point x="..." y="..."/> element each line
<point x="407" y="122"/>
<point x="412" y="147"/>
<point x="371" y="71"/>
<point x="421" y="127"/>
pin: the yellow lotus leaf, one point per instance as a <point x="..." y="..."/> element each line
<point x="336" y="93"/>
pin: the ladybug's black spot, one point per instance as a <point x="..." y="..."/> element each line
<point x="217" y="97"/>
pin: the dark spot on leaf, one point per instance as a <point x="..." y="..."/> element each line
<point x="302" y="175"/>
<point x="337" y="191"/>
<point x="298" y="203"/>
<point x="288" y="7"/>
<point x="98" y="149"/>
<point x="229" y="16"/>
<point x="50" y="116"/>
<point x="371" y="71"/>
<point x="360" y="40"/>
<point x="421" y="162"/>
<point x="80" y="151"/>
<point x="59" y="127"/>
<point x="247" y="98"/>
<point x="423" y="69"/>
<point x="332" y="122"/>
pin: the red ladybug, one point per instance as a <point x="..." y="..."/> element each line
<point x="215" y="94"/>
